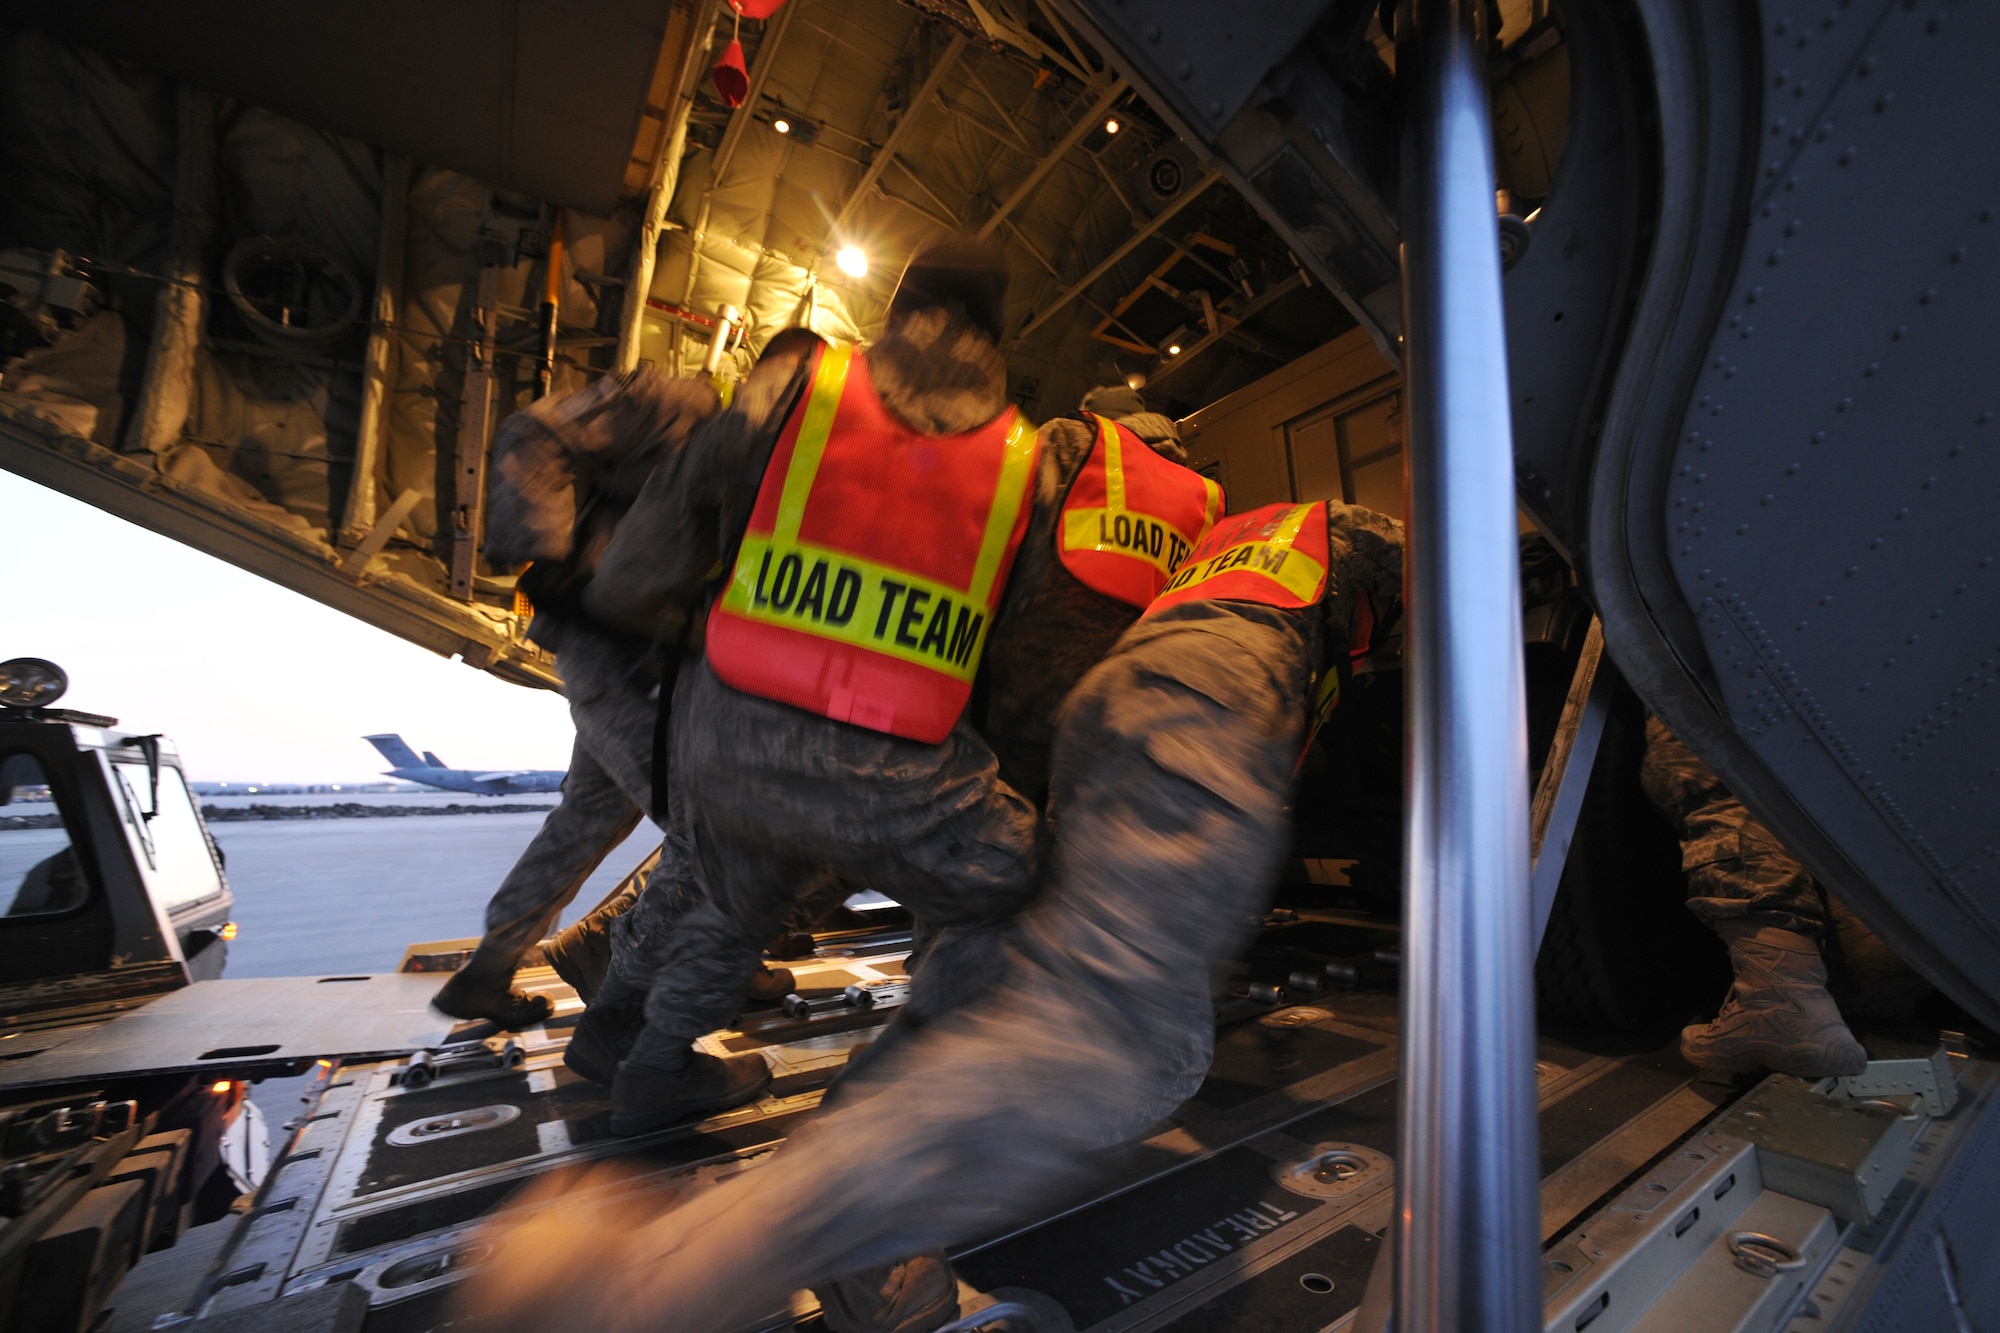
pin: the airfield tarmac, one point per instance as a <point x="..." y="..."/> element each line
<point x="347" y="895"/>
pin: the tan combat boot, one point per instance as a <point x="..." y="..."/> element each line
<point x="581" y="954"/>
<point x="914" y="1296"/>
<point x="1778" y="1016"/>
<point x="484" y="988"/>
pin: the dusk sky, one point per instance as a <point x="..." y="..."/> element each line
<point x="255" y="683"/>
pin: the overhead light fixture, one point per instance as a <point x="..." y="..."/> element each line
<point x="1173" y="349"/>
<point x="852" y="261"/>
<point x="799" y="129"/>
<point x="1111" y="125"/>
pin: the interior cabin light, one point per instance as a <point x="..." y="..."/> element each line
<point x="1111" y="126"/>
<point x="781" y="125"/>
<point x="1173" y="349"/>
<point x="852" y="261"/>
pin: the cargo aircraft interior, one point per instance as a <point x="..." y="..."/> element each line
<point x="1667" y="311"/>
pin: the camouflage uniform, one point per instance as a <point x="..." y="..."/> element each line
<point x="1779" y="1014"/>
<point x="1049" y="631"/>
<point x="564" y="472"/>
<point x="1051" y="628"/>
<point x="929" y="826"/>
<point x="640" y="934"/>
<point x="607" y="789"/>
<point x="1173" y="775"/>
<point x="1735" y="867"/>
<point x="940" y="823"/>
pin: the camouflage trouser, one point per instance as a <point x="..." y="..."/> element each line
<point x="1735" y="867"/>
<point x="773" y="796"/>
<point x="640" y="935"/>
<point x="1172" y="775"/>
<point x="607" y="790"/>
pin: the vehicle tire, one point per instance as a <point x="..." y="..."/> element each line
<point x="1622" y="954"/>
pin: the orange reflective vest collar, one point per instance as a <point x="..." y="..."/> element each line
<point x="1132" y="516"/>
<point x="1276" y="555"/>
<point x="873" y="561"/>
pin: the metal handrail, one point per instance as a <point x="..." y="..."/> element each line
<point x="1467" y="1218"/>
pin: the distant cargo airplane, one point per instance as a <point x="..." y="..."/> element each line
<point x="434" y="772"/>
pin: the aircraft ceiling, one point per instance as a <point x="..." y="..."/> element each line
<point x="429" y="155"/>
<point x="542" y="98"/>
<point x="907" y="119"/>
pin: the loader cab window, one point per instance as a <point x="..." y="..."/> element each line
<point x="167" y="837"/>
<point x="40" y="874"/>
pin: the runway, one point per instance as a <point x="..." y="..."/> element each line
<point x="348" y="895"/>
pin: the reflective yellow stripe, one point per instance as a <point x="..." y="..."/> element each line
<point x="1274" y="558"/>
<point x="1326" y="698"/>
<point x="1012" y="490"/>
<point x="810" y="445"/>
<point x="1154" y="540"/>
<point x="1114" y="464"/>
<point x="779" y="580"/>
<point x="836" y="596"/>
<point x="1213" y="510"/>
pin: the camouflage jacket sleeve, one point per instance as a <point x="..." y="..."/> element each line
<point x="691" y="512"/>
<point x="600" y="443"/>
<point x="1050" y="629"/>
<point x="1367" y="561"/>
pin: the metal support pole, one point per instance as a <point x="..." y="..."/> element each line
<point x="378" y="361"/>
<point x="1468" y="1208"/>
<point x="1125" y="247"/>
<point x="725" y="152"/>
<point x="837" y="230"/>
<point x="659" y="193"/>
<point x="180" y="309"/>
<point x="718" y="346"/>
<point x="1076" y="134"/>
<point x="475" y="428"/>
<point x="550" y="314"/>
<point x="1566" y="774"/>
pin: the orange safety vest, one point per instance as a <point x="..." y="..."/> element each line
<point x="1131" y="516"/>
<point x="1276" y="555"/>
<point x="874" y="560"/>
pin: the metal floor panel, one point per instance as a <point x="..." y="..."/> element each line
<point x="229" y="1026"/>
<point x="382" y="1194"/>
<point x="1223" y="1243"/>
<point x="1305" y="1290"/>
<point x="1202" y="1227"/>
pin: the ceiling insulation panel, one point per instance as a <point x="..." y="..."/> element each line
<point x="544" y="99"/>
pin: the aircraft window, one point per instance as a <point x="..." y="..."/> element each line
<point x="172" y="847"/>
<point x="39" y="870"/>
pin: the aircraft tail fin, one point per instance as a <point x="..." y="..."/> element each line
<point x="434" y="761"/>
<point x="395" y="750"/>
